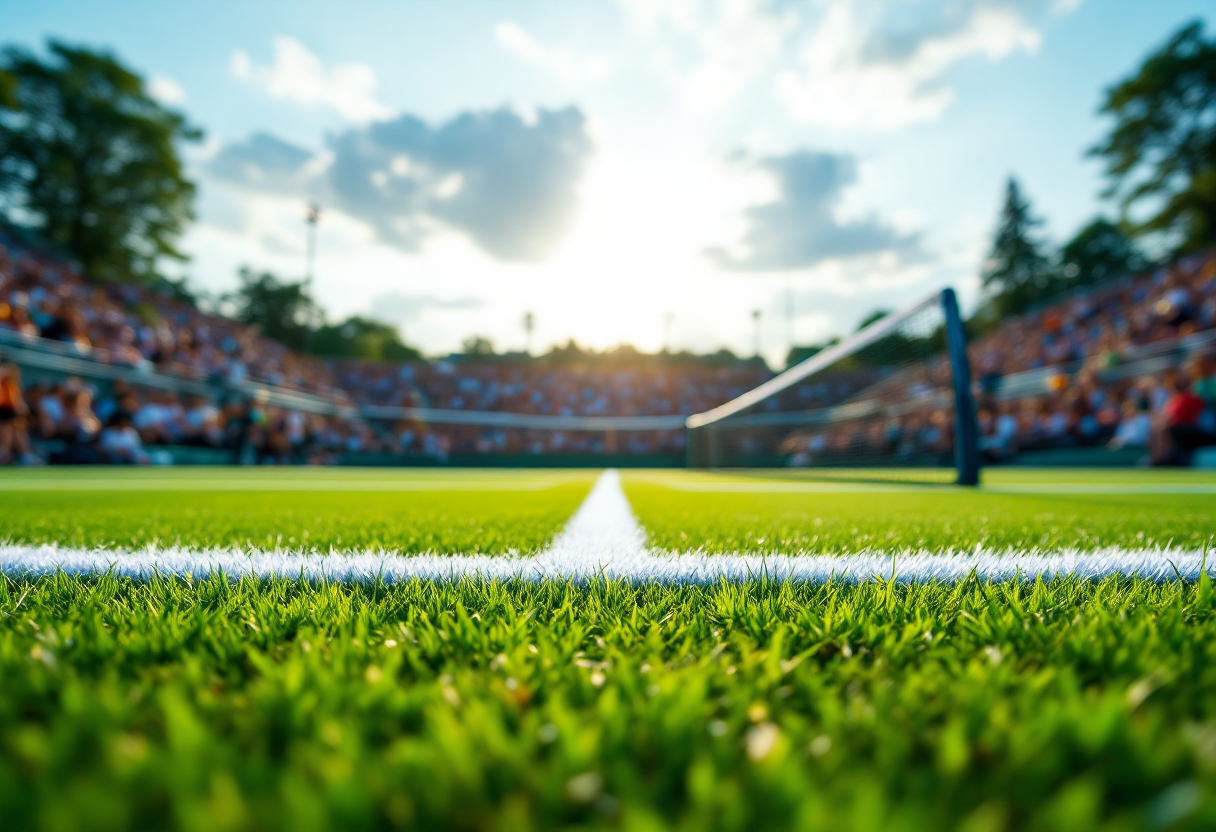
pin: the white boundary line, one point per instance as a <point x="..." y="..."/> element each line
<point x="1031" y="488"/>
<point x="603" y="539"/>
<point x="256" y="484"/>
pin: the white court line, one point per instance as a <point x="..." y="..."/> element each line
<point x="235" y="484"/>
<point x="604" y="539"/>
<point x="940" y="488"/>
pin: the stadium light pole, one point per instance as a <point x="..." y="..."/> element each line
<point x="756" y="317"/>
<point x="311" y="218"/>
<point x="529" y="325"/>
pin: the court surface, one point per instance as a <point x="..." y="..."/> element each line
<point x="666" y="525"/>
<point x="643" y="650"/>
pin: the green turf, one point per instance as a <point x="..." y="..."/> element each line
<point x="412" y="511"/>
<point x="719" y="513"/>
<point x="222" y="706"/>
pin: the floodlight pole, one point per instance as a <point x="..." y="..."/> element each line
<point x="529" y="325"/>
<point x="756" y="318"/>
<point x="311" y="218"/>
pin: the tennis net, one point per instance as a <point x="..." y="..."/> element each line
<point x="895" y="395"/>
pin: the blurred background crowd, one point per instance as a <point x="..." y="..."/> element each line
<point x="1062" y="375"/>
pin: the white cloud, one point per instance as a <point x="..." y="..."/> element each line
<point x="859" y="69"/>
<point x="508" y="185"/>
<point x="875" y="64"/>
<point x="166" y="90"/>
<point x="566" y="64"/>
<point x="741" y="44"/>
<point x="403" y="307"/>
<point x="737" y="41"/>
<point x="648" y="16"/>
<point x="802" y="224"/>
<point x="299" y="76"/>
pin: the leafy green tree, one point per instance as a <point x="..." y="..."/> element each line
<point x="91" y="160"/>
<point x="477" y="345"/>
<point x="8" y="89"/>
<point x="1100" y="251"/>
<point x="1017" y="273"/>
<point x="873" y="318"/>
<point x="281" y="310"/>
<point x="798" y="354"/>
<point x="359" y="337"/>
<point x="1161" y="153"/>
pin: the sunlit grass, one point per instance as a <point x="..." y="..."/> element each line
<point x="495" y="521"/>
<point x="264" y="705"/>
<point x="929" y="518"/>
<point x="272" y="704"/>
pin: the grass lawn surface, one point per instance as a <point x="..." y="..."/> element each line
<point x="800" y="512"/>
<point x="278" y="705"/>
<point x="409" y="511"/>
<point x="221" y="704"/>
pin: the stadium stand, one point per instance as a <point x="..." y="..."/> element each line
<point x="119" y="373"/>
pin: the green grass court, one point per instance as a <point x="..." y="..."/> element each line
<point x="212" y="703"/>
<point x="453" y="511"/>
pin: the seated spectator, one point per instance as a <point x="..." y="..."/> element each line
<point x="1135" y="427"/>
<point x="999" y="433"/>
<point x="120" y="443"/>
<point x="46" y="409"/>
<point x="202" y="423"/>
<point x="14" y="432"/>
<point x="17" y="319"/>
<point x="79" y="424"/>
<point x="1178" y="431"/>
<point x="1203" y="380"/>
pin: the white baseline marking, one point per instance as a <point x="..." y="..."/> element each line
<point x="603" y="539"/>
<point x="258" y="484"/>
<point x="1114" y="488"/>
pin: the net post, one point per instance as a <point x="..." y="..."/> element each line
<point x="966" y="425"/>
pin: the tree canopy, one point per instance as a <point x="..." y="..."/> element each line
<point x="359" y="337"/>
<point x="1100" y="251"/>
<point x="91" y="160"/>
<point x="1017" y="272"/>
<point x="280" y="309"/>
<point x="1161" y="154"/>
<point x="477" y="345"/>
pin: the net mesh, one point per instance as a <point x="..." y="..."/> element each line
<point x="884" y="398"/>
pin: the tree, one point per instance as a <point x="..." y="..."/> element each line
<point x="1161" y="153"/>
<point x="1017" y="273"/>
<point x="280" y="310"/>
<point x="873" y="318"/>
<point x="359" y="337"/>
<point x="91" y="160"/>
<point x="477" y="345"/>
<point x="8" y="89"/>
<point x="797" y="354"/>
<point x="1100" y="251"/>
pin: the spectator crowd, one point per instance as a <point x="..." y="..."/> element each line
<point x="1089" y="349"/>
<point x="1085" y="345"/>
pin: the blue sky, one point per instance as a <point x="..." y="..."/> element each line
<point x="609" y="164"/>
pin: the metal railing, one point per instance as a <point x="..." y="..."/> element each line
<point x="89" y="362"/>
<point x="71" y="360"/>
